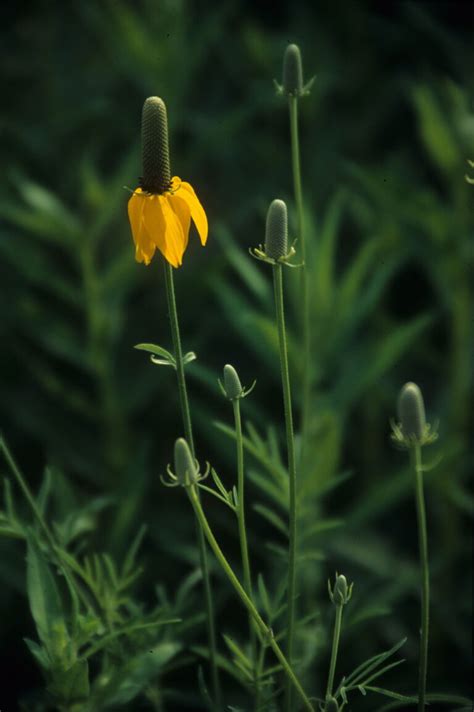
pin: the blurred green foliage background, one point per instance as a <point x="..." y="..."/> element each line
<point x="385" y="135"/>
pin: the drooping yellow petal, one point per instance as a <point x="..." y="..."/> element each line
<point x="156" y="222"/>
<point x="175" y="238"/>
<point x="144" y="247"/>
<point x="183" y="212"/>
<point x="186" y="191"/>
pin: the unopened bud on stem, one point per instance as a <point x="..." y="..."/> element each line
<point x="341" y="593"/>
<point x="185" y="467"/>
<point x="232" y="385"/>
<point x="276" y="233"/>
<point x="411" y="412"/>
<point x="292" y="71"/>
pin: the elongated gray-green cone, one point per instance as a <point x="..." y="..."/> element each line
<point x="184" y="464"/>
<point x="232" y="385"/>
<point x="292" y="71"/>
<point x="276" y="232"/>
<point x="411" y="412"/>
<point x="156" y="176"/>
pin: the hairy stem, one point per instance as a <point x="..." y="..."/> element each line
<point x="425" y="576"/>
<point x="266" y="632"/>
<point x="290" y="444"/>
<point x="188" y="432"/>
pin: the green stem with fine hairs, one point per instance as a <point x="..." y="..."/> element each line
<point x="242" y="528"/>
<point x="290" y="444"/>
<point x="425" y="575"/>
<point x="304" y="301"/>
<point x="265" y="631"/>
<point x="335" y="648"/>
<point x="188" y="432"/>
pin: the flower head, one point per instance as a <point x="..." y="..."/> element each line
<point x="161" y="209"/>
<point x="276" y="248"/>
<point x="232" y="387"/>
<point x="341" y="593"/>
<point x="187" y="468"/>
<point x="292" y="84"/>
<point x="412" y="428"/>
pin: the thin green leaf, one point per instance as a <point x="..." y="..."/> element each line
<point x="43" y="595"/>
<point x="238" y="653"/>
<point x="368" y="665"/>
<point x="157" y="351"/>
<point x="129" y="560"/>
<point x="272" y="517"/>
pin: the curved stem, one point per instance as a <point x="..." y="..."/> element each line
<point x="247" y="602"/>
<point x="290" y="444"/>
<point x="335" y="648"/>
<point x="188" y="432"/>
<point x="425" y="577"/>
<point x="298" y="192"/>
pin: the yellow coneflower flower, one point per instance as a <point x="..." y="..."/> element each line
<point x="161" y="209"/>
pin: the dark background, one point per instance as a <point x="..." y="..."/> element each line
<point x="385" y="135"/>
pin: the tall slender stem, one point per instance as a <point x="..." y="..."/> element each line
<point x="306" y="337"/>
<point x="247" y="602"/>
<point x="425" y="576"/>
<point x="188" y="432"/>
<point x="240" y="494"/>
<point x="335" y="648"/>
<point x="290" y="444"/>
<point x="178" y="354"/>
<point x="242" y="528"/>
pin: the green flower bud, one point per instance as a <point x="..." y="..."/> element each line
<point x="155" y="149"/>
<point x="232" y="385"/>
<point x="185" y="467"/>
<point x="331" y="705"/>
<point x="292" y="71"/>
<point x="411" y="412"/>
<point x="276" y="233"/>
<point x="340" y="589"/>
<point x="341" y="593"/>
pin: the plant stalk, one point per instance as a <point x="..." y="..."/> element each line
<point x="266" y="632"/>
<point x="290" y="444"/>
<point x="240" y="494"/>
<point x="304" y="301"/>
<point x="425" y="576"/>
<point x="335" y="648"/>
<point x="247" y="579"/>
<point x="188" y="432"/>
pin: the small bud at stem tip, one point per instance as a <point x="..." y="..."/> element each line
<point x="276" y="233"/>
<point x="411" y="412"/>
